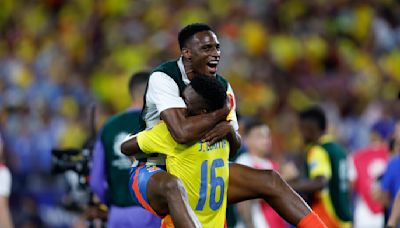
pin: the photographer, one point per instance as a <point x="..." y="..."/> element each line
<point x="110" y="170"/>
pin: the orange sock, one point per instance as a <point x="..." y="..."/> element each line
<point x="167" y="222"/>
<point x="311" y="221"/>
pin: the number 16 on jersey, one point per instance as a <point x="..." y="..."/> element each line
<point x="215" y="181"/>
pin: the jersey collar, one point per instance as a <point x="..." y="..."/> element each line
<point x="326" y="138"/>
<point x="182" y="70"/>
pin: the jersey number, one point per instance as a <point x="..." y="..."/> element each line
<point x="214" y="181"/>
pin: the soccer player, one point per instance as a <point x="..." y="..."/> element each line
<point x="110" y="170"/>
<point x="326" y="170"/>
<point x="199" y="166"/>
<point x="200" y="53"/>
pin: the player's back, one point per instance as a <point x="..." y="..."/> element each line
<point x="204" y="170"/>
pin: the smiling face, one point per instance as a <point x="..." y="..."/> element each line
<point x="203" y="52"/>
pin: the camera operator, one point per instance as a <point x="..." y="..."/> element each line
<point x="109" y="177"/>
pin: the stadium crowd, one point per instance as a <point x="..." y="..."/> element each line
<point x="57" y="57"/>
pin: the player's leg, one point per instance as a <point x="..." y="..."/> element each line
<point x="162" y="193"/>
<point x="248" y="183"/>
<point x="166" y="191"/>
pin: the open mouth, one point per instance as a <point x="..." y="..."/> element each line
<point x="212" y="66"/>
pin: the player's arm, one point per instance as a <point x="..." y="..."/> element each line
<point x="130" y="146"/>
<point x="5" y="217"/>
<point x="228" y="129"/>
<point x="185" y="129"/>
<point x="381" y="193"/>
<point x="320" y="172"/>
<point x="155" y="140"/>
<point x="309" y="185"/>
<point x="224" y="128"/>
<point x="234" y="140"/>
<point x="164" y="92"/>
<point x="394" y="218"/>
<point x="5" y="186"/>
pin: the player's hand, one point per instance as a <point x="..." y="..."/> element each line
<point x="225" y="111"/>
<point x="229" y="104"/>
<point x="218" y="132"/>
<point x="222" y="113"/>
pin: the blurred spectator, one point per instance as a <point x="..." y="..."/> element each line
<point x="365" y="166"/>
<point x="110" y="170"/>
<point x="327" y="167"/>
<point x="390" y="181"/>
<point x="5" y="189"/>
<point x="257" y="213"/>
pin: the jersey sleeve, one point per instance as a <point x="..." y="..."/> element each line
<point x="156" y="140"/>
<point x="164" y="92"/>
<point x="318" y="163"/>
<point x="232" y="115"/>
<point x="5" y="180"/>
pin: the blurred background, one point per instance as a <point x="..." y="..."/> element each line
<point x="58" y="57"/>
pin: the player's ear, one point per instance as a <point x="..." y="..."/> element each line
<point x="186" y="53"/>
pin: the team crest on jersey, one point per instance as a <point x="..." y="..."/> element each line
<point x="151" y="169"/>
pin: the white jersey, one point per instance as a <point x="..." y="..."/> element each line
<point x="5" y="180"/>
<point x="5" y="175"/>
<point x="163" y="93"/>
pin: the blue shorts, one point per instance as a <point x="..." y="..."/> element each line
<point x="139" y="178"/>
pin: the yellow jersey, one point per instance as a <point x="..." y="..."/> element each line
<point x="319" y="164"/>
<point x="204" y="170"/>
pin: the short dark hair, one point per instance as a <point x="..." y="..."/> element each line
<point x="138" y="79"/>
<point x="188" y="32"/>
<point x="212" y="91"/>
<point x="252" y="123"/>
<point x="315" y="114"/>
